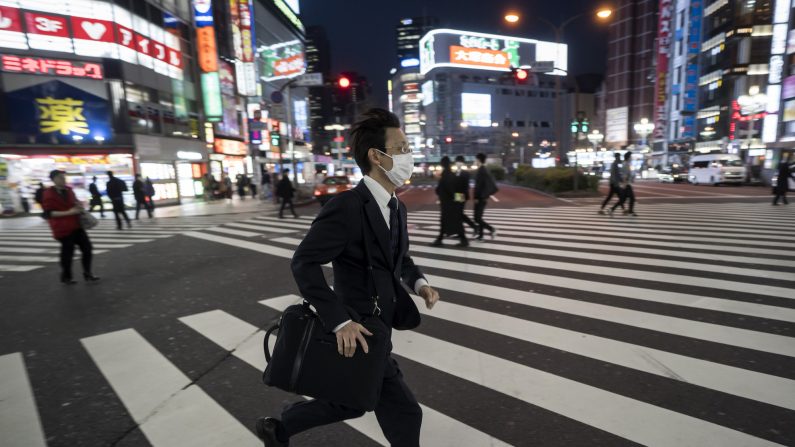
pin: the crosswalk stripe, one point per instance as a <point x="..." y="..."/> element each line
<point x="732" y="336"/>
<point x="18" y="268"/>
<point x="728" y="379"/>
<point x="230" y="231"/>
<point x="99" y="233"/>
<point x="26" y="250"/>
<point x="631" y="419"/>
<point x="737" y="286"/>
<point x="170" y="410"/>
<point x="261" y="228"/>
<point x="585" y="230"/>
<point x="614" y="248"/>
<point x="637" y="293"/>
<point x="635" y="227"/>
<point x="661" y="217"/>
<point x="244" y="341"/>
<point x="93" y="239"/>
<point x="721" y="247"/>
<point x="25" y="258"/>
<point x="20" y="425"/>
<point x="56" y="244"/>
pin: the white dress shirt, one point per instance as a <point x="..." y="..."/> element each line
<point x="382" y="198"/>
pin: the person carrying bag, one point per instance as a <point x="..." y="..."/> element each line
<point x="340" y="353"/>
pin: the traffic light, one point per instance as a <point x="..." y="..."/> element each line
<point x="521" y="76"/>
<point x="344" y="82"/>
<point x="580" y="125"/>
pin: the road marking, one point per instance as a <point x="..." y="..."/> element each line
<point x="20" y="425"/>
<point x="18" y="268"/>
<point x="631" y="419"/>
<point x="245" y="341"/>
<point x="230" y="231"/>
<point x="23" y="258"/>
<point x="170" y="410"/>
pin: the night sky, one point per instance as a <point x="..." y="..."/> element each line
<point x="362" y="32"/>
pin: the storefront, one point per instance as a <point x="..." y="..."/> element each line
<point x="230" y="158"/>
<point x="175" y="166"/>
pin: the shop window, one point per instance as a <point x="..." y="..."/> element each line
<point x="520" y="124"/>
<point x="532" y="93"/>
<point x="508" y="122"/>
<point x="519" y="92"/>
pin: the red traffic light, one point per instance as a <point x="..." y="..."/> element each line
<point x="448" y="140"/>
<point x="344" y="82"/>
<point x="521" y="74"/>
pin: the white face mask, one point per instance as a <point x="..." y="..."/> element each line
<point x="402" y="166"/>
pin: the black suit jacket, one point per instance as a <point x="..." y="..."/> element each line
<point x="462" y="183"/>
<point x="337" y="235"/>
<point x="484" y="184"/>
<point x="115" y="187"/>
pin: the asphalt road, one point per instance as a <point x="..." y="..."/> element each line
<point x="676" y="328"/>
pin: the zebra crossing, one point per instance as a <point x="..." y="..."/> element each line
<point x="676" y="328"/>
<point x="32" y="248"/>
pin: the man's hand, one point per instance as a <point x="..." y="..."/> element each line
<point x="347" y="337"/>
<point x="430" y="295"/>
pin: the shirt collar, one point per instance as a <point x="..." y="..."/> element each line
<point x="380" y="194"/>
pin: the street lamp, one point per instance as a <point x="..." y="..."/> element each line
<point x="601" y="14"/>
<point x="595" y="138"/>
<point x="644" y="128"/>
<point x="751" y="105"/>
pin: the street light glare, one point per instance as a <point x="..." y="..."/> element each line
<point x="604" y="13"/>
<point x="511" y="17"/>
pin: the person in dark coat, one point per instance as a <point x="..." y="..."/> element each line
<point x="38" y="196"/>
<point x="140" y="196"/>
<point x="115" y="189"/>
<point x="615" y="182"/>
<point x="462" y="191"/>
<point x="63" y="210"/>
<point x="285" y="191"/>
<point x="149" y="191"/>
<point x="485" y="187"/>
<point x="252" y="186"/>
<point x="241" y="186"/>
<point x="96" y="197"/>
<point x="266" y="185"/>
<point x="451" y="222"/>
<point x="782" y="185"/>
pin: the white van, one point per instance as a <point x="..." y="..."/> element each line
<point x="714" y="169"/>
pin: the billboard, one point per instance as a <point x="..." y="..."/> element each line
<point x="282" y="60"/>
<point x="207" y="55"/>
<point x="661" y="86"/>
<point x="476" y="109"/>
<point x="464" y="49"/>
<point x="617" y="126"/>
<point x="90" y="28"/>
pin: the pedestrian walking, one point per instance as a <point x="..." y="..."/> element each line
<point x="115" y="188"/>
<point x="462" y="191"/>
<point x="626" y="191"/>
<point x="241" y="186"/>
<point x="149" y="190"/>
<point x="139" y="192"/>
<point x="38" y="196"/>
<point x="96" y="197"/>
<point x="285" y="191"/>
<point x="615" y="182"/>
<point x="339" y="235"/>
<point x="252" y="187"/>
<point x="62" y="211"/>
<point x="782" y="184"/>
<point x="485" y="187"/>
<point x="227" y="187"/>
<point x="266" y="185"/>
<point x="450" y="221"/>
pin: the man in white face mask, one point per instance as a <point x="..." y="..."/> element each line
<point x="363" y="227"/>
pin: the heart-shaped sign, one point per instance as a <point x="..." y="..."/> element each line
<point x="5" y="22"/>
<point x="94" y="30"/>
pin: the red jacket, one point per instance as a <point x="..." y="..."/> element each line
<point x="52" y="201"/>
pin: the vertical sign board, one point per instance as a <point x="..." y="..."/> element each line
<point x="690" y="97"/>
<point x="247" y="72"/>
<point x="663" y="45"/>
<point x="208" y="59"/>
<point x="778" y="46"/>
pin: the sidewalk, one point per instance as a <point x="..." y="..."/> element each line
<point x="193" y="209"/>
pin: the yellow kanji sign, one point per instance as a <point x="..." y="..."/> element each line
<point x="62" y="115"/>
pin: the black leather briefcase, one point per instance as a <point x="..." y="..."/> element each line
<point x="305" y="360"/>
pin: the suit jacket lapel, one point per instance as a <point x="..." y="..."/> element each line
<point x="377" y="223"/>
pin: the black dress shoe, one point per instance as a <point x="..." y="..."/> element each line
<point x="437" y="243"/>
<point x="68" y="281"/>
<point x="90" y="277"/>
<point x="266" y="430"/>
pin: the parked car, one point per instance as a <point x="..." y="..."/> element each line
<point x="330" y="187"/>
<point x="673" y="174"/>
<point x="714" y="169"/>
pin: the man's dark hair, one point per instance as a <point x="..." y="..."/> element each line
<point x="370" y="132"/>
<point x="618" y="156"/>
<point x="445" y="162"/>
<point x="481" y="157"/>
<point x="459" y="158"/>
<point x="627" y="155"/>
<point x="110" y="173"/>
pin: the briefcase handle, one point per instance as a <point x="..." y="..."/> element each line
<point x="265" y="343"/>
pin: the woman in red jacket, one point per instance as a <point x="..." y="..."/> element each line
<point x="63" y="212"/>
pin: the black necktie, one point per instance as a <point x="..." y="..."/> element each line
<point x="394" y="226"/>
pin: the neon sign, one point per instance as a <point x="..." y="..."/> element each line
<point x="53" y="67"/>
